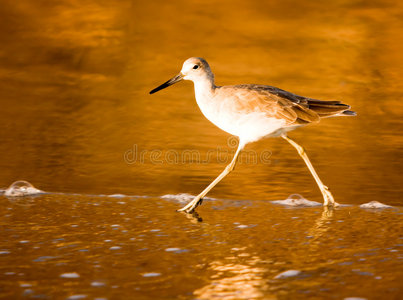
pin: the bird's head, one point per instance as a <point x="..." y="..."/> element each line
<point x="194" y="69"/>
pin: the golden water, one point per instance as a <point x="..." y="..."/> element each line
<point x="77" y="120"/>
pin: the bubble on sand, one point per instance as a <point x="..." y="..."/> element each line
<point x="9" y="273"/>
<point x="21" y="188"/>
<point x="22" y="284"/>
<point x="97" y="283"/>
<point x="172" y="249"/>
<point x="43" y="258"/>
<point x="151" y="274"/>
<point x="375" y="205"/>
<point x="287" y="274"/>
<point x="70" y="275"/>
<point x="115" y="248"/>
<point x="75" y="297"/>
<point x="296" y="200"/>
<point x="176" y="250"/>
<point x="28" y="291"/>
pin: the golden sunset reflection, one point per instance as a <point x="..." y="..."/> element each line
<point x="116" y="163"/>
<point x="235" y="281"/>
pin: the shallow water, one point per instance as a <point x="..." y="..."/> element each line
<point x="77" y="120"/>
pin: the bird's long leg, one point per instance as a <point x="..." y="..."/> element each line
<point x="198" y="199"/>
<point x="327" y="195"/>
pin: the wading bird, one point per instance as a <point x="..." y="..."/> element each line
<point x="252" y="112"/>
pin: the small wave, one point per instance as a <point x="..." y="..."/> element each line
<point x="375" y="205"/>
<point x="21" y="188"/>
<point x="296" y="200"/>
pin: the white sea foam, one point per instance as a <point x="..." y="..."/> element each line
<point x="179" y="197"/>
<point x="117" y="196"/>
<point x="296" y="200"/>
<point x="183" y="197"/>
<point x="375" y="205"/>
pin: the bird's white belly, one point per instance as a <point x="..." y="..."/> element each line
<point x="248" y="126"/>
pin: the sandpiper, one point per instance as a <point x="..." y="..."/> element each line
<point x="252" y="112"/>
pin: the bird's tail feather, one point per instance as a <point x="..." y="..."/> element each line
<point x="327" y="109"/>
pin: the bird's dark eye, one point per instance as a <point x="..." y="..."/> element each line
<point x="195" y="67"/>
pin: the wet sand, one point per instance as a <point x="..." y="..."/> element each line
<point x="75" y="246"/>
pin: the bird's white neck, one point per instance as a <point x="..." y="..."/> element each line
<point x="204" y="88"/>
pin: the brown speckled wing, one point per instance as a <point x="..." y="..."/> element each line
<point x="274" y="102"/>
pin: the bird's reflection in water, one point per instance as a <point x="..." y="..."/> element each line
<point x="235" y="281"/>
<point x="322" y="224"/>
<point x="194" y="217"/>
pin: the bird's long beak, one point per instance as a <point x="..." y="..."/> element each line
<point x="171" y="81"/>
